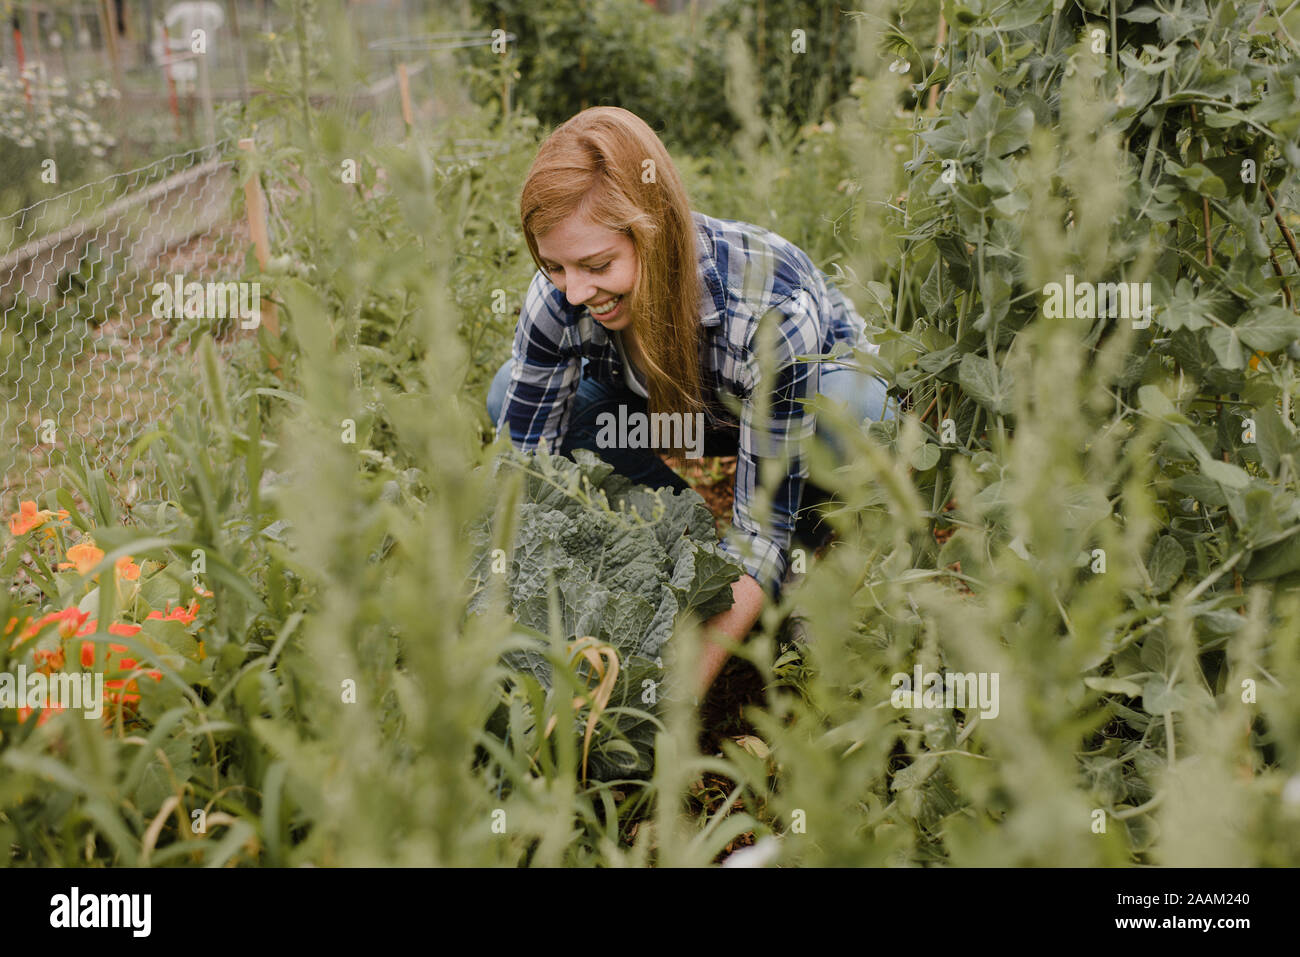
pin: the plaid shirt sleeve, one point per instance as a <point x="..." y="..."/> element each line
<point x="762" y="548"/>
<point x="547" y="361"/>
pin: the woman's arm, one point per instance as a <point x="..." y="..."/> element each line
<point x="547" y="367"/>
<point x="761" y="547"/>
<point x="727" y="628"/>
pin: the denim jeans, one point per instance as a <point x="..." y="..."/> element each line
<point x="865" y="396"/>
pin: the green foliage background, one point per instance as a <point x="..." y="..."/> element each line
<point x="1154" y="692"/>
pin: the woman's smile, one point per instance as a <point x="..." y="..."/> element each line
<point x="606" y="310"/>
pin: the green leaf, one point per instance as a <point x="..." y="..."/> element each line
<point x="1188" y="308"/>
<point x="1201" y="488"/>
<point x="979" y="378"/>
<point x="1152" y="400"/>
<point x="1273" y="439"/>
<point x="1199" y="178"/>
<point x="1225" y="473"/>
<point x="947" y="138"/>
<point x="940" y="360"/>
<point x="926" y="457"/>
<point x="1014" y="124"/>
<point x="1166" y="564"/>
<point x="1114" y="686"/>
<point x="1226" y="343"/>
<point x="1143" y="15"/>
<point x="1274" y="561"/>
<point x="1160" y="697"/>
<point x="1269" y="329"/>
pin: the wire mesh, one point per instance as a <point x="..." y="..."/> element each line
<point x="81" y="349"/>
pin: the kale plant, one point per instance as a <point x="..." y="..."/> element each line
<point x="595" y="556"/>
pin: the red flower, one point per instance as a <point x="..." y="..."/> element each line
<point x="25" y="713"/>
<point x="69" y="620"/>
<point x="49" y="661"/>
<point x="183" y="615"/>
<point x="127" y="686"/>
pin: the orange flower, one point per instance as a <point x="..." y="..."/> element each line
<point x="49" y="661"/>
<point x="25" y="713"/>
<point x="29" y="517"/>
<point x="127" y="568"/>
<point x="84" y="556"/>
<point x="24" y="633"/>
<point x="126" y="686"/>
<point x="183" y="615"/>
<point x="69" y="621"/>
<point x="88" y="647"/>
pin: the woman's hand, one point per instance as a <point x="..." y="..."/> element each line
<point x="727" y="628"/>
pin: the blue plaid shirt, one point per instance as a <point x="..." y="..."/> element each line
<point x="752" y="278"/>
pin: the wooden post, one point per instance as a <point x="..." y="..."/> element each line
<point x="938" y="44"/>
<point x="22" y="61"/>
<point x="240" y="58"/>
<point x="404" y="87"/>
<point x="205" y="98"/>
<point x="108" y="22"/>
<point x="171" y="80"/>
<point x="255" y="202"/>
<point x="108" y="17"/>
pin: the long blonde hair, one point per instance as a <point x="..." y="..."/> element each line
<point x="607" y="164"/>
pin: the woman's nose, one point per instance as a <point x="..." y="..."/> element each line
<point x="578" y="289"/>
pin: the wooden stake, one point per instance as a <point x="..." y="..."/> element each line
<point x="172" y="102"/>
<point x="241" y="58"/>
<point x="108" y="21"/>
<point x="22" y="62"/>
<point x="255" y="203"/>
<point x="404" y="87"/>
<point x="108" y="17"/>
<point x="938" y="44"/>
<point x="205" y="99"/>
<point x="1281" y="223"/>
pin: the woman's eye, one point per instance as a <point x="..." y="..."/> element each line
<point x="555" y="269"/>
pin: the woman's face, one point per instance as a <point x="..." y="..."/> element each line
<point x="593" y="267"/>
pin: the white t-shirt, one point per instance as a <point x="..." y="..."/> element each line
<point x="635" y="380"/>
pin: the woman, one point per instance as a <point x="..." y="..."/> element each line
<point x="641" y="303"/>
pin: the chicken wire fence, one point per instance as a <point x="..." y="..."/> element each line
<point x="86" y="328"/>
<point x="81" y="346"/>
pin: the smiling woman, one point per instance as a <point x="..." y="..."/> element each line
<point x="641" y="304"/>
